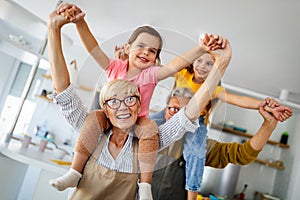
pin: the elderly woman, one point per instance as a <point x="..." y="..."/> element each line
<point x="114" y="162"/>
<point x="111" y="171"/>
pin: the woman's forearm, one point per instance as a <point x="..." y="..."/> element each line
<point x="180" y="62"/>
<point x="59" y="71"/>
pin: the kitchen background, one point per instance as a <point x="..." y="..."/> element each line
<point x="24" y="81"/>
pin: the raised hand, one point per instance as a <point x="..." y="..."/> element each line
<point x="272" y="103"/>
<point x="223" y="55"/>
<point x="280" y="112"/>
<point x="119" y="52"/>
<point x="71" y="12"/>
<point x="56" y="20"/>
<point x="268" y="116"/>
<point x="213" y="42"/>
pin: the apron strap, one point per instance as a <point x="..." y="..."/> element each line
<point x="135" y="154"/>
<point x="100" y="145"/>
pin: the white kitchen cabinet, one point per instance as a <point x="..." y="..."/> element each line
<point x="29" y="171"/>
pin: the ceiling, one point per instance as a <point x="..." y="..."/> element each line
<point x="264" y="35"/>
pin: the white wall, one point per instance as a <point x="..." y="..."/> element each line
<point x="293" y="184"/>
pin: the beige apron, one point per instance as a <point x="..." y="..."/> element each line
<point x="101" y="183"/>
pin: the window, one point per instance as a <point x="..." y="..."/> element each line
<point x="13" y="100"/>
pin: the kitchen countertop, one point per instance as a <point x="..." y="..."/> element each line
<point x="32" y="156"/>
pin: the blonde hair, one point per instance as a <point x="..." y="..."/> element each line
<point x="114" y="87"/>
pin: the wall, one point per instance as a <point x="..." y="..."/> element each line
<point x="290" y="181"/>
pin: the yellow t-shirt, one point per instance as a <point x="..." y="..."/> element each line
<point x="184" y="78"/>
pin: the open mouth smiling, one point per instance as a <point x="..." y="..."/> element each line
<point x="143" y="59"/>
<point x="202" y="71"/>
<point x="123" y="116"/>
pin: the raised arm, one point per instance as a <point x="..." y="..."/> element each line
<point x="259" y="140"/>
<point x="59" y="71"/>
<point x="201" y="97"/>
<point x="71" y="107"/>
<point x="280" y="112"/>
<point x="241" y="101"/>
<point x="75" y="15"/>
<point x="219" y="154"/>
<point x="209" y="42"/>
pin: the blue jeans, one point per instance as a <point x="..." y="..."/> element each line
<point x="194" y="153"/>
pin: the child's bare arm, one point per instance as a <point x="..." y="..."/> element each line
<point x="207" y="43"/>
<point x="239" y="100"/>
<point x="76" y="15"/>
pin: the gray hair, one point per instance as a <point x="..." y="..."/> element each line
<point x="181" y="92"/>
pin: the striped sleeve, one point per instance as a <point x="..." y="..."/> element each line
<point x="175" y="128"/>
<point x="71" y="107"/>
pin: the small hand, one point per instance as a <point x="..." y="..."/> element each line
<point x="223" y="55"/>
<point x="280" y="112"/>
<point x="213" y="42"/>
<point x="272" y="103"/>
<point x="119" y="52"/>
<point x="71" y="12"/>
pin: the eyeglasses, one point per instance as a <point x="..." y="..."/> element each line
<point x="173" y="110"/>
<point x="116" y="103"/>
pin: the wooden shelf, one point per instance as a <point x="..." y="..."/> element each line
<point x="46" y="76"/>
<point x="270" y="164"/>
<point x="88" y="89"/>
<point x="44" y="98"/>
<point x="248" y="135"/>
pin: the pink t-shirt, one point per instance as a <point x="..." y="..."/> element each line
<point x="145" y="81"/>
